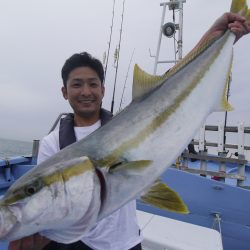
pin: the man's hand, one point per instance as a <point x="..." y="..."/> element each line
<point x="236" y="23"/>
<point x="33" y="242"/>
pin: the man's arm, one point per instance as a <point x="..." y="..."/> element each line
<point x="236" y="23"/>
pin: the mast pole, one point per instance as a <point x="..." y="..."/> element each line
<point x="117" y="64"/>
<point x="173" y="5"/>
<point x="159" y="39"/>
<point x="180" y="41"/>
<point x="110" y="38"/>
<point x="124" y="86"/>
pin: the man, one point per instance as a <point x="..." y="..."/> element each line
<point x="83" y="78"/>
<point x="83" y="88"/>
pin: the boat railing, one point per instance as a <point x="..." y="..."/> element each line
<point x="228" y="167"/>
<point x="12" y="168"/>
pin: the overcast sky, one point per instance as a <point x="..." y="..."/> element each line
<point x="38" y="35"/>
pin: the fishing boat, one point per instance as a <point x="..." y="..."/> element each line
<point x="214" y="186"/>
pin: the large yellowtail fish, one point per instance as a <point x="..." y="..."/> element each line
<point x="67" y="194"/>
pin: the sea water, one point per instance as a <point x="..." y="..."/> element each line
<point x="14" y="148"/>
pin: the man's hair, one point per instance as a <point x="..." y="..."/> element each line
<point x="83" y="59"/>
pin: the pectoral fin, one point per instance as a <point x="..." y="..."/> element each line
<point x="130" y="165"/>
<point x="161" y="196"/>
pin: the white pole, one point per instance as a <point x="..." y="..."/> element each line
<point x="159" y="40"/>
<point x="241" y="140"/>
<point x="180" y="42"/>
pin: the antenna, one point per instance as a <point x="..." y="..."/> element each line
<point x="110" y="38"/>
<point x="124" y="86"/>
<point x="118" y="57"/>
<point x="169" y="30"/>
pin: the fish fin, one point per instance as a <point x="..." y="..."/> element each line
<point x="143" y="82"/>
<point x="240" y="7"/>
<point x="129" y="165"/>
<point x="161" y="196"/>
<point x="224" y="105"/>
<point x="247" y="16"/>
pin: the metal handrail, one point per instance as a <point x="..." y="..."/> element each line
<point x="231" y="129"/>
<point x="57" y="121"/>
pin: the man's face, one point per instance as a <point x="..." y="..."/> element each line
<point x="84" y="92"/>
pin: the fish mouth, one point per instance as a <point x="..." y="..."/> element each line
<point x="7" y="221"/>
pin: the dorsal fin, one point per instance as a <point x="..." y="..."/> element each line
<point x="223" y="104"/>
<point x="239" y="7"/>
<point x="226" y="106"/>
<point x="144" y="82"/>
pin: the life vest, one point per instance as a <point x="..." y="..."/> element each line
<point x="66" y="127"/>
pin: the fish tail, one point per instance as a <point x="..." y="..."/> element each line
<point x="240" y="7"/>
<point x="247" y="16"/>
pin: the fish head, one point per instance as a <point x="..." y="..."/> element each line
<point x="44" y="200"/>
<point x="22" y="206"/>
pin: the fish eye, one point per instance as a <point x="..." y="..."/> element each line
<point x="32" y="188"/>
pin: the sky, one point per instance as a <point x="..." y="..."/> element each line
<point x="37" y="36"/>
